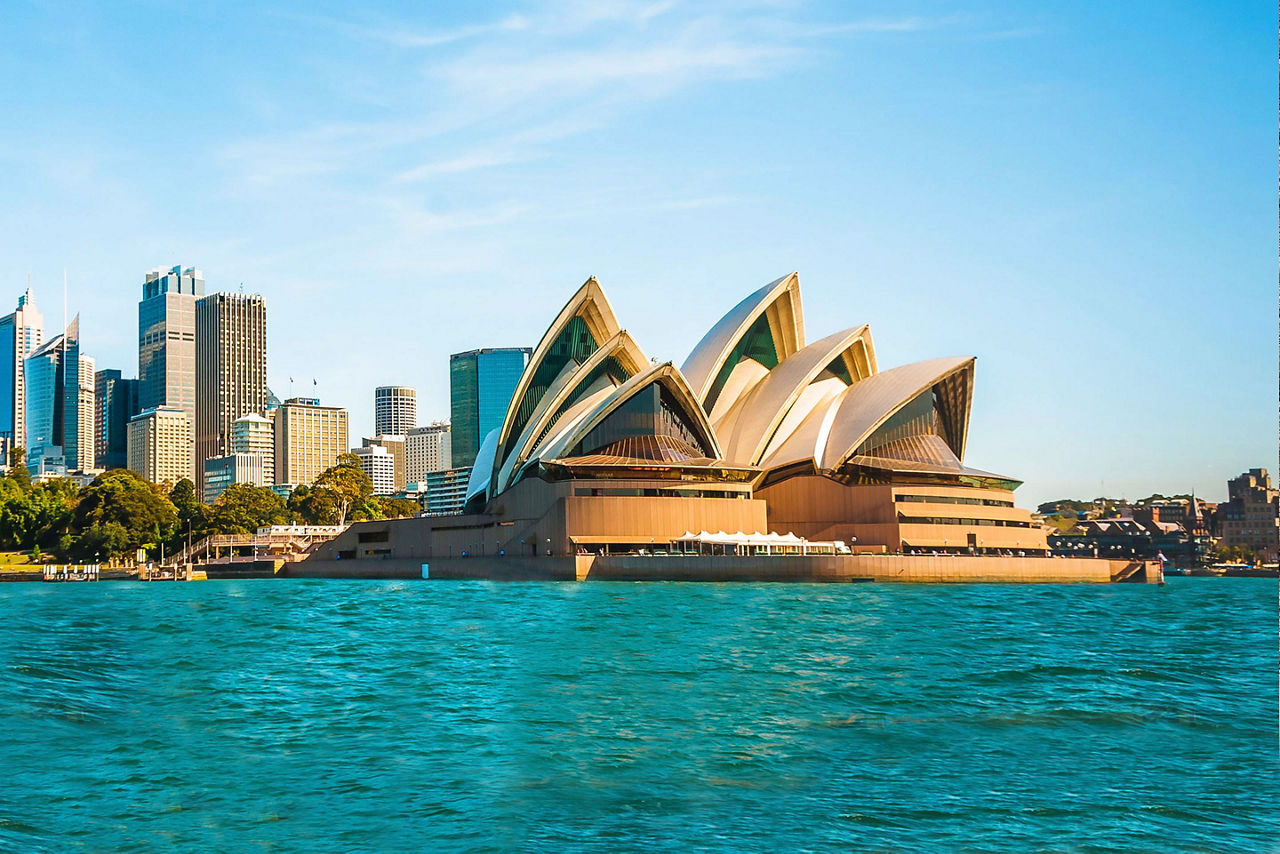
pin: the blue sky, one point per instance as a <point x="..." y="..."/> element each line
<point x="1082" y="195"/>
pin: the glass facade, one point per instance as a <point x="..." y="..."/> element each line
<point x="757" y="344"/>
<point x="43" y="375"/>
<point x="117" y="402"/>
<point x="481" y="385"/>
<point x="650" y="412"/>
<point x="9" y="368"/>
<point x="167" y="338"/>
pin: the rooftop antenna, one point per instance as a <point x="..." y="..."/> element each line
<point x="64" y="306"/>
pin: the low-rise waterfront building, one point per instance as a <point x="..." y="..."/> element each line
<point x="446" y="491"/>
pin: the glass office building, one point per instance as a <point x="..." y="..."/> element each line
<point x="167" y="339"/>
<point x="54" y="403"/>
<point x="481" y="383"/>
<point x="117" y="402"/>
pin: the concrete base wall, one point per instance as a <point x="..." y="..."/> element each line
<point x="796" y="568"/>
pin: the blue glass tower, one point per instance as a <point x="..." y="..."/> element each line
<point x="481" y="383"/>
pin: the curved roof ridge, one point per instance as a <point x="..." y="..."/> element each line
<point x="557" y="397"/>
<point x="750" y="426"/>
<point x="588" y="301"/>
<point x="865" y="405"/>
<point x="666" y="374"/>
<point x="708" y="356"/>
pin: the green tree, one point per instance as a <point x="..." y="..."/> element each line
<point x="396" y="508"/>
<point x="36" y="514"/>
<point x="18" y="467"/>
<point x="341" y="491"/>
<point x="185" y="501"/>
<point x="244" y="508"/>
<point x="298" y="506"/>
<point x="124" y="513"/>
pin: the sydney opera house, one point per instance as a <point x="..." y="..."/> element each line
<point x="764" y="456"/>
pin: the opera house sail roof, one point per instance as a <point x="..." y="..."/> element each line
<point x="752" y="400"/>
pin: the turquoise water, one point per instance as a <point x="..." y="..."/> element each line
<point x="342" y="716"/>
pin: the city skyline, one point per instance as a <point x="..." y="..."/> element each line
<point x="1106" y="201"/>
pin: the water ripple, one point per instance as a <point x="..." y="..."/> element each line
<point x="338" y="716"/>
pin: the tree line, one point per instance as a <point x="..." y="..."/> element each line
<point x="119" y="512"/>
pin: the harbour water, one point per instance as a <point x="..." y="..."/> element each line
<point x="341" y="716"/>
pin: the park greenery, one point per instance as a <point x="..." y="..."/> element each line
<point x="119" y="512"/>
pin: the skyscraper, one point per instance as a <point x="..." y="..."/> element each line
<point x="21" y="333"/>
<point x="116" y="401"/>
<point x="395" y="410"/>
<point x="86" y="415"/>
<point x="481" y="383"/>
<point x="58" y="395"/>
<point x="167" y="339"/>
<point x="309" y="438"/>
<point x="231" y="368"/>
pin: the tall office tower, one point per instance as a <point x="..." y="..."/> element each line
<point x="395" y="410"/>
<point x="231" y="368"/>
<point x="427" y="449"/>
<point x="160" y="444"/>
<point x="253" y="434"/>
<point x="115" y="402"/>
<point x="86" y="416"/>
<point x="377" y="462"/>
<point x="167" y="339"/>
<point x="21" y="333"/>
<point x="481" y="383"/>
<point x="54" y="404"/>
<point x="309" y="438"/>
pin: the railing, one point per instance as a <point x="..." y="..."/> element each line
<point x="72" y="572"/>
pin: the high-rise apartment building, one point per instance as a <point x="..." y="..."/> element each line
<point x="115" y="402"/>
<point x="21" y="334"/>
<point x="167" y="339"/>
<point x="427" y="449"/>
<point x="86" y="416"/>
<point x="253" y="434"/>
<point x="230" y="368"/>
<point x="59" y="402"/>
<point x="394" y="446"/>
<point x="481" y="383"/>
<point x="309" y="439"/>
<point x="376" y="461"/>
<point x="160" y="444"/>
<point x="395" y="410"/>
